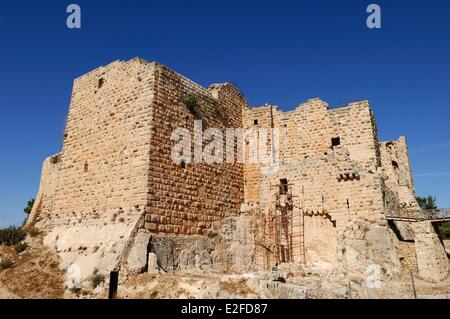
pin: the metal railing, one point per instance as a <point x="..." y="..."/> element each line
<point x="413" y="215"/>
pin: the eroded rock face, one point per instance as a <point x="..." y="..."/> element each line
<point x="184" y="252"/>
<point x="227" y="248"/>
<point x="365" y="244"/>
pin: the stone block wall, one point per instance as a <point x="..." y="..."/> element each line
<point x="323" y="200"/>
<point x="47" y="187"/>
<point x="187" y="200"/>
<point x="355" y="126"/>
<point x="395" y="162"/>
<point x="104" y="156"/>
<point x="314" y="129"/>
<point x="307" y="132"/>
<point x="431" y="256"/>
<point x="254" y="118"/>
<point x="117" y="150"/>
<point x="332" y="186"/>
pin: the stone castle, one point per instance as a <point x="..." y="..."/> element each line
<point x="335" y="195"/>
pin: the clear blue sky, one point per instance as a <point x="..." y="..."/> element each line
<point x="277" y="52"/>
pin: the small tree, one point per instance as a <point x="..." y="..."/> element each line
<point x="427" y="203"/>
<point x="29" y="207"/>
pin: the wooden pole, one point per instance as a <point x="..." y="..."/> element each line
<point x="113" y="282"/>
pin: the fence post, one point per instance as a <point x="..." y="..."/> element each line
<point x="113" y="281"/>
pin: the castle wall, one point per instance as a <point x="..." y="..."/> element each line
<point x="396" y="166"/>
<point x="356" y="128"/>
<point x="47" y="188"/>
<point x="106" y="142"/>
<point x="320" y="239"/>
<point x="254" y="118"/>
<point x="431" y="256"/>
<point x="188" y="200"/>
<point x="332" y="185"/>
<point x="314" y="129"/>
<point x="321" y="194"/>
<point x="307" y="132"/>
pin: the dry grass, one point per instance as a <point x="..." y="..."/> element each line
<point x="35" y="273"/>
<point x="236" y="287"/>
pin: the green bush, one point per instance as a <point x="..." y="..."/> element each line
<point x="29" y="207"/>
<point x="75" y="290"/>
<point x="444" y="228"/>
<point x="6" y="263"/>
<point x="96" y="280"/>
<point x="33" y="231"/>
<point x="221" y="113"/>
<point x="21" y="247"/>
<point x="11" y="235"/>
<point x="191" y="102"/>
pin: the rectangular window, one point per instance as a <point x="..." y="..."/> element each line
<point x="335" y="141"/>
<point x="283" y="186"/>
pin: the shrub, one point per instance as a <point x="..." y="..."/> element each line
<point x="33" y="231"/>
<point x="221" y="113"/>
<point x="75" y="290"/>
<point x="11" y="235"/>
<point x="444" y="228"/>
<point x="21" y="247"/>
<point x="191" y="102"/>
<point x="29" y="207"/>
<point x="96" y="280"/>
<point x="6" y="263"/>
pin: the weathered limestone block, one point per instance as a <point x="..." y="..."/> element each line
<point x="431" y="256"/>
<point x="203" y="260"/>
<point x="137" y="258"/>
<point x="152" y="264"/>
<point x="184" y="252"/>
<point x="88" y="244"/>
<point x="366" y="244"/>
<point x="186" y="259"/>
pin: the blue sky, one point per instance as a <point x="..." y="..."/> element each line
<point x="281" y="52"/>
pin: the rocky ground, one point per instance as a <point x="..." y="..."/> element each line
<point x="35" y="273"/>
